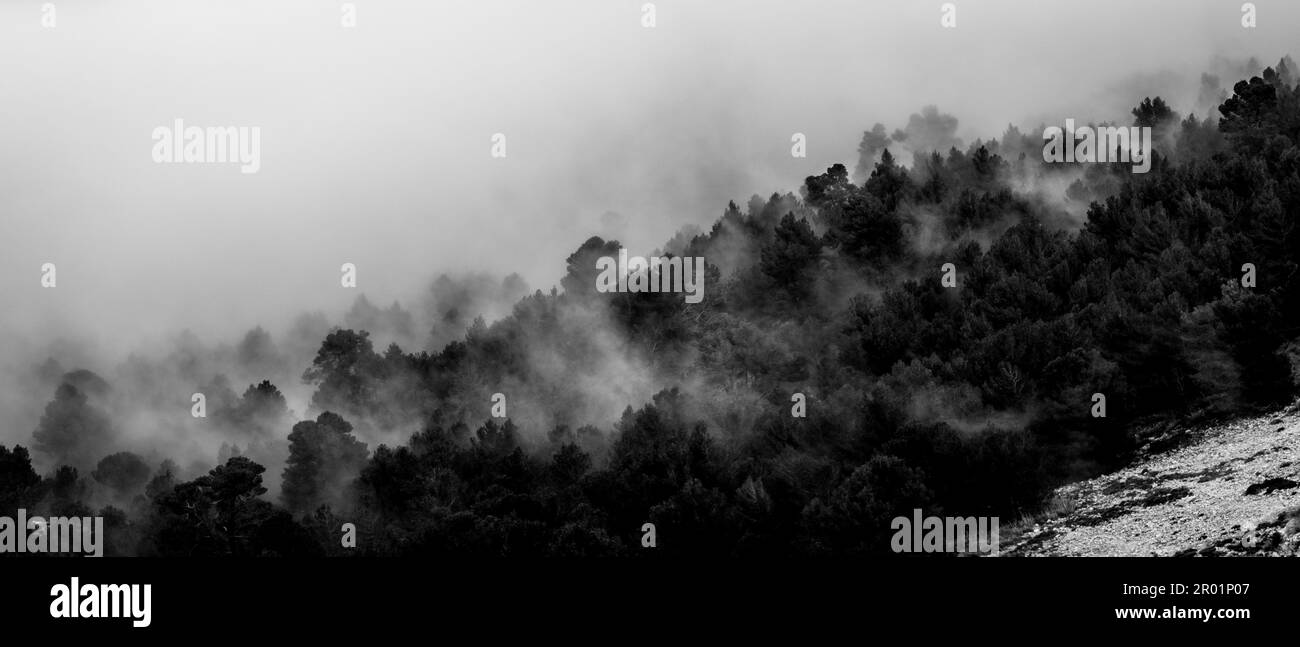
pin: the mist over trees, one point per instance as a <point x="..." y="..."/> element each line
<point x="629" y="408"/>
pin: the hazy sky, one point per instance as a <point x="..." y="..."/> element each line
<point x="375" y="140"/>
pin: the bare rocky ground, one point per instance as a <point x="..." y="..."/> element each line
<point x="1234" y="490"/>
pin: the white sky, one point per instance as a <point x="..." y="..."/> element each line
<point x="375" y="140"/>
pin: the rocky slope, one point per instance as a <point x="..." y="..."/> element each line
<point x="1234" y="490"/>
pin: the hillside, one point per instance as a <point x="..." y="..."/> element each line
<point x="1232" y="491"/>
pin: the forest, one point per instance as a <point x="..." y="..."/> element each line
<point x="622" y="409"/>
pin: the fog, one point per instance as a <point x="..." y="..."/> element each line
<point x="375" y="140"/>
